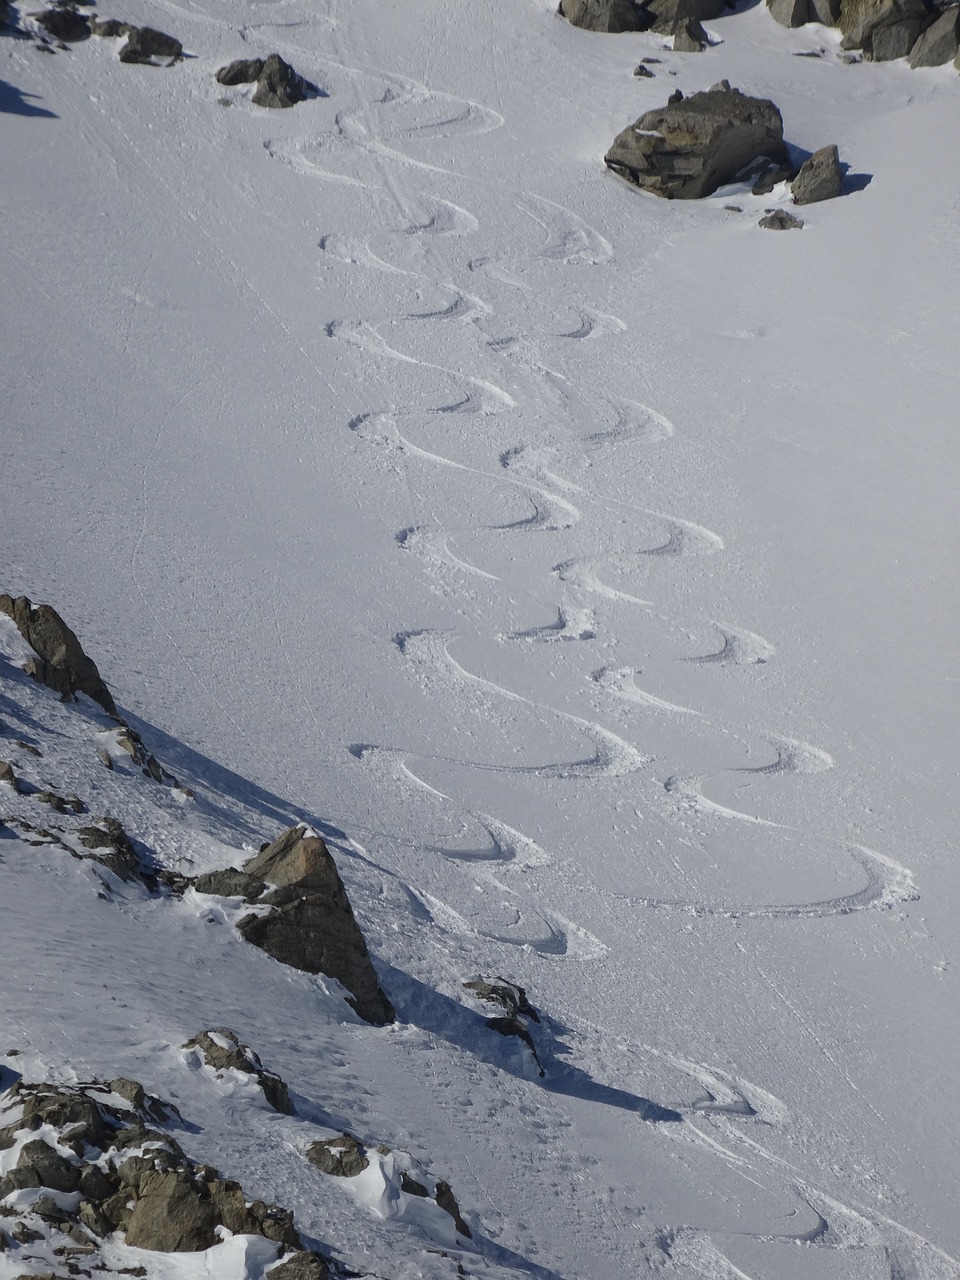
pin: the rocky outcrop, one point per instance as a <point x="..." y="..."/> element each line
<point x="312" y="925"/>
<point x="670" y="16"/>
<point x="120" y="1174"/>
<point x="781" y="220"/>
<point x="61" y="663"/>
<point x="820" y="177"/>
<point x="221" y="1049"/>
<point x="606" y="15"/>
<point x="111" y="847"/>
<point x="687" y="149"/>
<point x="689" y="36"/>
<point x="145" y="44"/>
<point x="341" y="1157"/>
<point x="63" y="22"/>
<point x="278" y="85"/>
<point x="243" y="71"/>
<point x="517" y="1009"/>
<point x="883" y="29"/>
<point x="938" y="43"/>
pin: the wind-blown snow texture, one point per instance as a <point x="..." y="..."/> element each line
<point x="587" y="562"/>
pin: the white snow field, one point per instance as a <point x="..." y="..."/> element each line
<point x="582" y="565"/>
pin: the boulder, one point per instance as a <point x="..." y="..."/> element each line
<point x="278" y="85"/>
<point x="229" y="883"/>
<point x="111" y="846"/>
<point x="243" y="71"/>
<point x="52" y="1169"/>
<point x="606" y="15"/>
<point x="109" y="28"/>
<point x="825" y="11"/>
<point x="341" y="1157"/>
<point x="448" y="1203"/>
<point x="8" y="776"/>
<point x="939" y="43"/>
<point x="312" y="926"/>
<point x="789" y="13"/>
<point x="64" y="23"/>
<point x="643" y="72"/>
<point x="222" y="1050"/>
<point x="781" y="220"/>
<point x="173" y="1214"/>
<point x="302" y="1265"/>
<point x="63" y="666"/>
<point x="689" y="36"/>
<point x="145" y="43"/>
<point x="687" y="149"/>
<point x="770" y="176"/>
<point x="820" y="177"/>
<point x="883" y="29"/>
<point x="667" y="15"/>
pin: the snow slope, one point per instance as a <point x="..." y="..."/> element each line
<point x="587" y="561"/>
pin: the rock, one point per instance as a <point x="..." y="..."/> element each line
<point x="447" y="1201"/>
<point x="312" y="926"/>
<point x="144" y="44"/>
<point x="771" y="176"/>
<point x="825" y="11"/>
<point x="411" y="1186"/>
<point x="64" y="23"/>
<point x="229" y="883"/>
<point x="63" y="665"/>
<point x="243" y="71"/>
<point x="508" y="995"/>
<point x="341" y="1157"/>
<point x="118" y="853"/>
<point x="820" y="177"/>
<point x="52" y="1169"/>
<point x="789" y="13"/>
<point x="239" y="1057"/>
<point x="643" y="72"/>
<point x="302" y="1265"/>
<point x="173" y="1214"/>
<point x="689" y="36"/>
<point x="668" y="15"/>
<point x="109" y="28"/>
<point x="883" y="29"/>
<point x="690" y="147"/>
<point x="939" y="43"/>
<point x="781" y="220"/>
<point x="8" y="776"/>
<point x="278" y="85"/>
<point x="605" y="15"/>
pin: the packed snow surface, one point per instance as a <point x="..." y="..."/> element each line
<point x="582" y="566"/>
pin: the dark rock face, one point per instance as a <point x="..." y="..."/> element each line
<point x="342" y="1157"/>
<point x="64" y="23"/>
<point x="62" y="664"/>
<point x="229" y="883"/>
<point x="278" y="85"/>
<point x="448" y="1203"/>
<point x="109" y="28"/>
<point x="689" y="36"/>
<point x="243" y="71"/>
<point x="789" y="13"/>
<point x="692" y="146"/>
<point x="301" y="1266"/>
<point x="312" y="926"/>
<point x="129" y="1177"/>
<point x="144" y="44"/>
<point x="606" y="15"/>
<point x="670" y="15"/>
<point x="111" y="846"/>
<point x="781" y="220"/>
<point x="513" y="1000"/>
<point x="939" y="43"/>
<point x="820" y="177"/>
<point x="883" y="29"/>
<point x="235" y="1056"/>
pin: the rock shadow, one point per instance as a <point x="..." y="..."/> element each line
<point x="15" y="102"/>
<point x="420" y="1005"/>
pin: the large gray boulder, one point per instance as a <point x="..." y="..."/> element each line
<point x="144" y="44"/>
<point x="606" y="15"/>
<point x="939" y="43"/>
<point x="820" y="177"/>
<point x="312" y="926"/>
<point x="64" y="23"/>
<point x="687" y="149"/>
<point x="883" y="29"/>
<point x="668" y="15"/>
<point x="242" y="71"/>
<point x="63" y="666"/>
<point x="278" y="85"/>
<point x="789" y="13"/>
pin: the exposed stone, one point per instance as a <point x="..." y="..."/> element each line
<point x="109" y="28"/>
<point x="278" y="85"/>
<point x="8" y="776"/>
<point x="302" y="1265"/>
<point x="825" y="11"/>
<point x="939" y="43"/>
<point x="243" y="71"/>
<point x="694" y="145"/>
<point x="229" y="883"/>
<point x="411" y="1186"/>
<point x="781" y="220"/>
<point x="643" y="72"/>
<point x="145" y="43"/>
<point x="789" y="13"/>
<point x="173" y="1214"/>
<point x="312" y="926"/>
<point x="508" y="995"/>
<point x="447" y="1201"/>
<point x="606" y="15"/>
<point x="771" y="175"/>
<point x="52" y="1169"/>
<point x="883" y="29"/>
<point x="63" y="666"/>
<point x="668" y="15"/>
<point x="118" y="853"/>
<point x="820" y="177"/>
<point x="64" y="23"/>
<point x="341" y="1157"/>
<point x="689" y="36"/>
<point x="239" y="1057"/>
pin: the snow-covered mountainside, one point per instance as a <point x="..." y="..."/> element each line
<point x="579" y="566"/>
